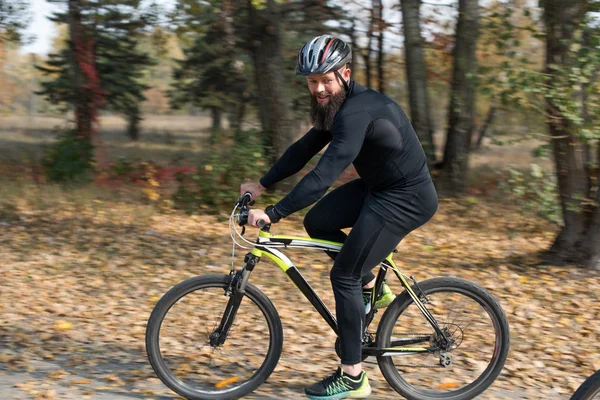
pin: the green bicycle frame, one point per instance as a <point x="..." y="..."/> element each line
<point x="268" y="244"/>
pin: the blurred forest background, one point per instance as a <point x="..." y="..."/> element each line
<point x="194" y="98"/>
<point x="133" y="134"/>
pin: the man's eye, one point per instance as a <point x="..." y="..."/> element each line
<point x="328" y="81"/>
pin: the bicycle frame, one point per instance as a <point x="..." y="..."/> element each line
<point x="267" y="245"/>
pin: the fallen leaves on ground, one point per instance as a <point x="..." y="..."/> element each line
<point x="79" y="282"/>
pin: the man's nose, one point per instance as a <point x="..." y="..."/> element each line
<point x="320" y="87"/>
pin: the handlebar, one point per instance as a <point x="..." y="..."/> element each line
<point x="244" y="201"/>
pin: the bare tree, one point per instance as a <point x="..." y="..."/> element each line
<point x="380" y="27"/>
<point x="416" y="75"/>
<point x="578" y="241"/>
<point x="454" y="168"/>
<point x="266" y="46"/>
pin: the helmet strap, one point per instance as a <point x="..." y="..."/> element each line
<point x="343" y="80"/>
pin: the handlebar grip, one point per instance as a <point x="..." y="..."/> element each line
<point x="261" y="223"/>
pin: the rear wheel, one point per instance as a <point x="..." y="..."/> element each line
<point x="180" y="350"/>
<point x="589" y="389"/>
<point x="470" y="317"/>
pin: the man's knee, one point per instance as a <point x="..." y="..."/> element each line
<point x="341" y="278"/>
<point x="313" y="223"/>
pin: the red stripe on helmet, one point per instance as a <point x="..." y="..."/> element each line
<point x="327" y="48"/>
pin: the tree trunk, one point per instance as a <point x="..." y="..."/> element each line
<point x="369" y="51"/>
<point x="133" y="124"/>
<point x="353" y="44"/>
<point x="78" y="39"/>
<point x="266" y="43"/>
<point x="454" y="172"/>
<point x="215" y="114"/>
<point x="237" y="116"/>
<point x="378" y="9"/>
<point x="486" y="124"/>
<point x="2" y="78"/>
<point x="240" y="85"/>
<point x="578" y="241"/>
<point x="416" y="75"/>
<point x="87" y="90"/>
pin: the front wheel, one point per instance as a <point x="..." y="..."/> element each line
<point x="589" y="389"/>
<point x="469" y="316"/>
<point x="181" y="352"/>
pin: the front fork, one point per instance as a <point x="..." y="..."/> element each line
<point x="235" y="290"/>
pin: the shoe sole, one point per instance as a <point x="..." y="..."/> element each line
<point x="356" y="394"/>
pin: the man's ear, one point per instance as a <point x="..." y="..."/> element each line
<point x="347" y="73"/>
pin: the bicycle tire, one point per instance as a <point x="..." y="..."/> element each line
<point x="589" y="389"/>
<point x="437" y="285"/>
<point x="212" y="281"/>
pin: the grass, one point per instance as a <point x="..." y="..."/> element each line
<point x="163" y="138"/>
<point x="171" y="140"/>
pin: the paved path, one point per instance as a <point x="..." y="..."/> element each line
<point x="86" y="386"/>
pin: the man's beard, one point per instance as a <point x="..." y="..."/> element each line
<point x="322" y="115"/>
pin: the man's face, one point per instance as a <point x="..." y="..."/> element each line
<point x="327" y="96"/>
<point x="323" y="86"/>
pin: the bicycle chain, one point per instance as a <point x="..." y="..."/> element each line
<point x="410" y="365"/>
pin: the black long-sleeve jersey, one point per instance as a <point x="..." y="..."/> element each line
<point x="372" y="132"/>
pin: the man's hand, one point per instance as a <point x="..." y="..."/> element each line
<point x="255" y="188"/>
<point x="255" y="215"/>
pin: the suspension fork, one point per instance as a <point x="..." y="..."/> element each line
<point x="235" y="291"/>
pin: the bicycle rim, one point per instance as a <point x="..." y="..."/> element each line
<point x="192" y="367"/>
<point x="475" y="359"/>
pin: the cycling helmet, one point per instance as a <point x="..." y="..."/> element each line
<point x="323" y="54"/>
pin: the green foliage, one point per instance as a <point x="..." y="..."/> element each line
<point x="121" y="65"/>
<point x="70" y="159"/>
<point x="123" y="167"/>
<point x="575" y="90"/>
<point x="535" y="191"/>
<point x="508" y="52"/>
<point x="571" y="88"/>
<point x="217" y="181"/>
<point x="215" y="72"/>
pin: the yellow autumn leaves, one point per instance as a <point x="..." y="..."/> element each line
<point x="262" y="4"/>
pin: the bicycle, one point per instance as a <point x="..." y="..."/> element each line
<point x="589" y="389"/>
<point x="233" y="370"/>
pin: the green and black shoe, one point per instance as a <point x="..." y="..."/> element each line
<point x="340" y="386"/>
<point x="385" y="298"/>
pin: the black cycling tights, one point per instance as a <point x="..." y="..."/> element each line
<point x="370" y="241"/>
